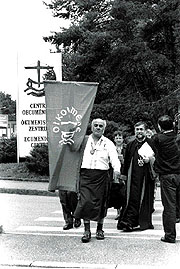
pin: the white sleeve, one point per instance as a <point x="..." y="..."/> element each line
<point x="114" y="160"/>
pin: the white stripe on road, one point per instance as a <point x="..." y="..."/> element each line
<point x="111" y="232"/>
<point x="106" y="220"/>
<point x="81" y="230"/>
<point x="120" y="236"/>
<point x="113" y="213"/>
<point x="57" y="212"/>
<point x="50" y="219"/>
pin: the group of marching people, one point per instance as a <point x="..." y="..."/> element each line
<point x="123" y="176"/>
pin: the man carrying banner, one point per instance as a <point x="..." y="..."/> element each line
<point x="94" y="179"/>
<point x="68" y="108"/>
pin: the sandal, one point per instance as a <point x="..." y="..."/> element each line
<point x="100" y="235"/>
<point x="86" y="237"/>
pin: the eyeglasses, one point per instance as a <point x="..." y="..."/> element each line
<point x="100" y="125"/>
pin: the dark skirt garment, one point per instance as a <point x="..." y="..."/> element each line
<point x="93" y="194"/>
<point x="117" y="196"/>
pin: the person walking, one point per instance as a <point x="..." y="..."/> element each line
<point x="140" y="182"/>
<point x="167" y="165"/>
<point x="149" y="134"/>
<point x="117" y="188"/>
<point x="68" y="200"/>
<point x="94" y="179"/>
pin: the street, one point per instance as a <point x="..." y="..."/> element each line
<point x="33" y="232"/>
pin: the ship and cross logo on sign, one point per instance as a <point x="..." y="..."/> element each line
<point x="31" y="90"/>
<point x="68" y="127"/>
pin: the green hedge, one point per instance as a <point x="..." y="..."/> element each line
<point x="8" y="150"/>
<point x="38" y="162"/>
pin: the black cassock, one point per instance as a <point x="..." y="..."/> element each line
<point x="140" y="187"/>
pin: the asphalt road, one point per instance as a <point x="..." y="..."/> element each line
<point x="33" y="235"/>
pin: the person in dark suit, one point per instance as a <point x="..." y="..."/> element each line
<point x="167" y="165"/>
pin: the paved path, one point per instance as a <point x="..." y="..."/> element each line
<point x="34" y="188"/>
<point x="44" y="225"/>
<point x="24" y="187"/>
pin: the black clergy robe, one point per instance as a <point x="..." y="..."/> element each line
<point x="140" y="187"/>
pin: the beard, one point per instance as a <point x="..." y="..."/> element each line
<point x="140" y="137"/>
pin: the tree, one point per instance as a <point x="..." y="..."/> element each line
<point x="130" y="47"/>
<point x="49" y="75"/>
<point x="7" y="106"/>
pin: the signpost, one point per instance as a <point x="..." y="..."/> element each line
<point x="31" y="107"/>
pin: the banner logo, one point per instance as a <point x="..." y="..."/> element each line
<point x="67" y="122"/>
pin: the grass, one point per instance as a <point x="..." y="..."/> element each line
<point x="19" y="171"/>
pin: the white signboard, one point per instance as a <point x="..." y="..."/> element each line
<point x="31" y="108"/>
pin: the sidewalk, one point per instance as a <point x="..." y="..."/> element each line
<point x="27" y="187"/>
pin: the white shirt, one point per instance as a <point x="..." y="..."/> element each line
<point x="98" y="156"/>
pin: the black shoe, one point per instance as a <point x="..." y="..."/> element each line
<point x="126" y="226"/>
<point x="150" y="227"/>
<point x="119" y="227"/>
<point x="68" y="226"/>
<point x="77" y="223"/>
<point x="100" y="235"/>
<point x="167" y="240"/>
<point x="128" y="229"/>
<point x="86" y="237"/>
<point x="177" y="220"/>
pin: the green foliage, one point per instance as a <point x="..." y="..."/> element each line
<point x="49" y="75"/>
<point x="38" y="162"/>
<point x="7" y="105"/>
<point x="8" y="150"/>
<point x="131" y="48"/>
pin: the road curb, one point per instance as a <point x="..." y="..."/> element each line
<point x="30" y="187"/>
<point x="52" y="264"/>
<point x="27" y="192"/>
<point x="24" y="179"/>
